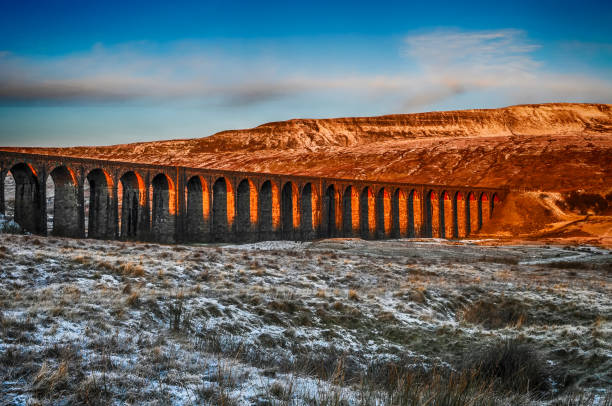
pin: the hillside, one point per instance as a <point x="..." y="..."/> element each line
<point x="552" y="147"/>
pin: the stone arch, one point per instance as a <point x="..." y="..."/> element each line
<point x="101" y="221"/>
<point x="473" y="214"/>
<point x="332" y="217"/>
<point x="163" y="212"/>
<point x="414" y="214"/>
<point x="198" y="209"/>
<point x="309" y="211"/>
<point x="432" y="206"/>
<point x="383" y="213"/>
<point x="446" y="216"/>
<point x="367" y="215"/>
<point x="132" y="197"/>
<point x="246" y="211"/>
<point x="290" y="211"/>
<point x="66" y="207"/>
<point x="399" y="214"/>
<point x="27" y="205"/>
<point x="350" y="212"/>
<point x="485" y="208"/>
<point x="223" y="210"/>
<point x="269" y="211"/>
<point x="460" y="216"/>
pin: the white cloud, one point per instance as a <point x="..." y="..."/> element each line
<point x="457" y="62"/>
<point x="449" y="63"/>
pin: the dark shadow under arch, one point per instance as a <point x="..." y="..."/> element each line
<point x="197" y="227"/>
<point x="246" y="211"/>
<point x="330" y="212"/>
<point x="134" y="217"/>
<point x="28" y="209"/>
<point x="68" y="214"/>
<point x="163" y="214"/>
<point x="223" y="215"/>
<point x="309" y="212"/>
<point x="269" y="211"/>
<point x="102" y="205"/>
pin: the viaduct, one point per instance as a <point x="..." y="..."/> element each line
<point x="132" y="201"/>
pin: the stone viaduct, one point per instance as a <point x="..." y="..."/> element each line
<point x="132" y="201"/>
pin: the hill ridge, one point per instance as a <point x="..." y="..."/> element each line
<point x="556" y="146"/>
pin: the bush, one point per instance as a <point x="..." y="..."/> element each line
<point x="511" y="365"/>
<point x="585" y="202"/>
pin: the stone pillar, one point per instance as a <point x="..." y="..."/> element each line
<point x="449" y="215"/>
<point x="422" y="232"/>
<point x="3" y="173"/>
<point x="485" y="208"/>
<point x="383" y="210"/>
<point x="399" y="216"/>
<point x="209" y="190"/>
<point x="346" y="208"/>
<point x="466" y="212"/>
<point x="115" y="207"/>
<point x="302" y="231"/>
<point x="460" y="217"/>
<point x="414" y="210"/>
<point x="479" y="199"/>
<point x="81" y="206"/>
<point x="319" y="208"/>
<point x="232" y="202"/>
<point x="436" y="223"/>
<point x="180" y="215"/>
<point x="42" y="202"/>
<point x="395" y="214"/>
<point x="144" y="225"/>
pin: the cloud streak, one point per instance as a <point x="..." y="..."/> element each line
<point x="457" y="62"/>
<point x="440" y="65"/>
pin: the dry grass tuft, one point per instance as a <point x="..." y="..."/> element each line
<point x="503" y="313"/>
<point x="104" y="265"/>
<point x="133" y="300"/>
<point x="82" y="259"/>
<point x="49" y="381"/>
<point x="419" y="295"/>
<point x="132" y="269"/>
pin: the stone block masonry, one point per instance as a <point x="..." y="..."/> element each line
<point x="171" y="204"/>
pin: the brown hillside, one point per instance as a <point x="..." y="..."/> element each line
<point x="549" y="147"/>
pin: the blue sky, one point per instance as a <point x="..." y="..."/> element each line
<point x="82" y="73"/>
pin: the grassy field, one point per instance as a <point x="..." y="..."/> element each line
<point x="332" y="322"/>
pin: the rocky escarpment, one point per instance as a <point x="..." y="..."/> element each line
<point x="346" y="132"/>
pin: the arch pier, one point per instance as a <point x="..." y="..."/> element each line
<point x="130" y="201"/>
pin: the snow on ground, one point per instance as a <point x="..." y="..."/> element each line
<point x="283" y="322"/>
<point x="270" y="245"/>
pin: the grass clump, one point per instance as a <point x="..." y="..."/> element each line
<point x="496" y="314"/>
<point x="133" y="299"/>
<point x="50" y="380"/>
<point x="511" y="365"/>
<point x="132" y="269"/>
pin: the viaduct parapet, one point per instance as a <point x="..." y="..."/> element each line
<point x="132" y="201"/>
